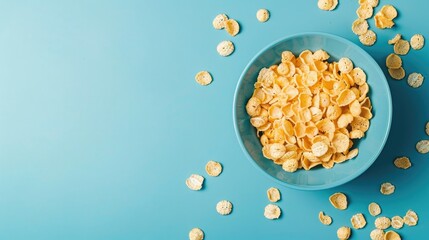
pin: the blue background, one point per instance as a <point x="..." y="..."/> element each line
<point x="101" y="122"/>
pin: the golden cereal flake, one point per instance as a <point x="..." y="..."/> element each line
<point x="383" y="22"/>
<point x="392" y="235"/>
<point x="319" y="149"/>
<point x="401" y="47"/>
<point x="387" y="188"/>
<point x="417" y="41"/>
<point x="368" y="38"/>
<point x="324" y="219"/>
<point x="290" y="165"/>
<point x="203" y="78"/>
<point x="360" y="26"/>
<point x="393" y="61"/>
<point x="358" y="221"/>
<point x="422" y="146"/>
<point x="273" y="194"/>
<point x="213" y="168"/>
<point x="232" y="27"/>
<point x="402" y="162"/>
<point x="382" y="223"/>
<point x="365" y="11"/>
<point x="327" y="5"/>
<point x="389" y="11"/>
<point x="345" y="65"/>
<point x="196" y="234"/>
<point x="262" y="15"/>
<point x="377" y="234"/>
<point x="395" y="39"/>
<point x="225" y="48"/>
<point x="415" y="80"/>
<point x="338" y="200"/>
<point x="343" y="233"/>
<point x="224" y="207"/>
<point x="427" y="128"/>
<point x="374" y="209"/>
<point x="397" y="222"/>
<point x="411" y="218"/>
<point x="219" y="21"/>
<point x="397" y="74"/>
<point x="195" y="182"/>
<point x="272" y="211"/>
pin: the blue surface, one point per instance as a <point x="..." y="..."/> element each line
<point x="102" y="122"/>
<point x="369" y="147"/>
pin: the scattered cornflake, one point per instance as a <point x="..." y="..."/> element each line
<point x="364" y="11"/>
<point x="374" y="209"/>
<point x="402" y="162"/>
<point x="393" y="61"/>
<point x="411" y="218"/>
<point x="377" y="234"/>
<point x="327" y="5"/>
<point x="382" y="223"/>
<point x="262" y="15"/>
<point x="272" y="211"/>
<point x="415" y="80"/>
<point x="401" y="47"/>
<point x="225" y="48"/>
<point x="338" y="200"/>
<point x="427" y="128"/>
<point x="372" y="3"/>
<point x="232" y="27"/>
<point x="213" y="168"/>
<point x="392" y="235"/>
<point x="387" y="188"/>
<point x="397" y="222"/>
<point x="195" y="182"/>
<point x="224" y="207"/>
<point x="203" y="78"/>
<point x="422" y="146"/>
<point x="397" y="74"/>
<point x="343" y="233"/>
<point x="273" y="194"/>
<point x="368" y="38"/>
<point x="219" y="21"/>
<point x="417" y="41"/>
<point x="358" y="221"/>
<point x="196" y="234"/>
<point x="384" y="18"/>
<point x="395" y="39"/>
<point x="360" y="26"/>
<point x="324" y="219"/>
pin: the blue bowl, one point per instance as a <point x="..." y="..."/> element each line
<point x="369" y="147"/>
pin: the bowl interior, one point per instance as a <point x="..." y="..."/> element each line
<point x="369" y="147"/>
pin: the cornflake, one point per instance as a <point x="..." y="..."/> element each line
<point x="327" y="5"/>
<point x="272" y="211"/>
<point x="358" y="221"/>
<point x="374" y="209"/>
<point x="219" y="21"/>
<point x="365" y="11"/>
<point x="195" y="182"/>
<point x="273" y="194"/>
<point x="387" y="188"/>
<point x="368" y="38"/>
<point x="372" y="3"/>
<point x="377" y="234"/>
<point x="203" y="78"/>
<point x="392" y="235"/>
<point x="423" y="146"/>
<point x="196" y="234"/>
<point x="402" y="162"/>
<point x="382" y="223"/>
<point x="397" y="222"/>
<point x="232" y="27"/>
<point x="411" y="218"/>
<point x="384" y="18"/>
<point x="401" y="47"/>
<point x="224" y="207"/>
<point x="338" y="200"/>
<point x="213" y="168"/>
<point x="415" y="80"/>
<point x="397" y="74"/>
<point x="324" y="219"/>
<point x="360" y="26"/>
<point x="417" y="41"/>
<point x="393" y="61"/>
<point x="225" y="48"/>
<point x="262" y="15"/>
<point x="394" y="39"/>
<point x="427" y="128"/>
<point x="343" y="233"/>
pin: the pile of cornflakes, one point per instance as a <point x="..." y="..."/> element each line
<point x="307" y="110"/>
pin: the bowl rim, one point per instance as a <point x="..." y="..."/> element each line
<point x="368" y="163"/>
